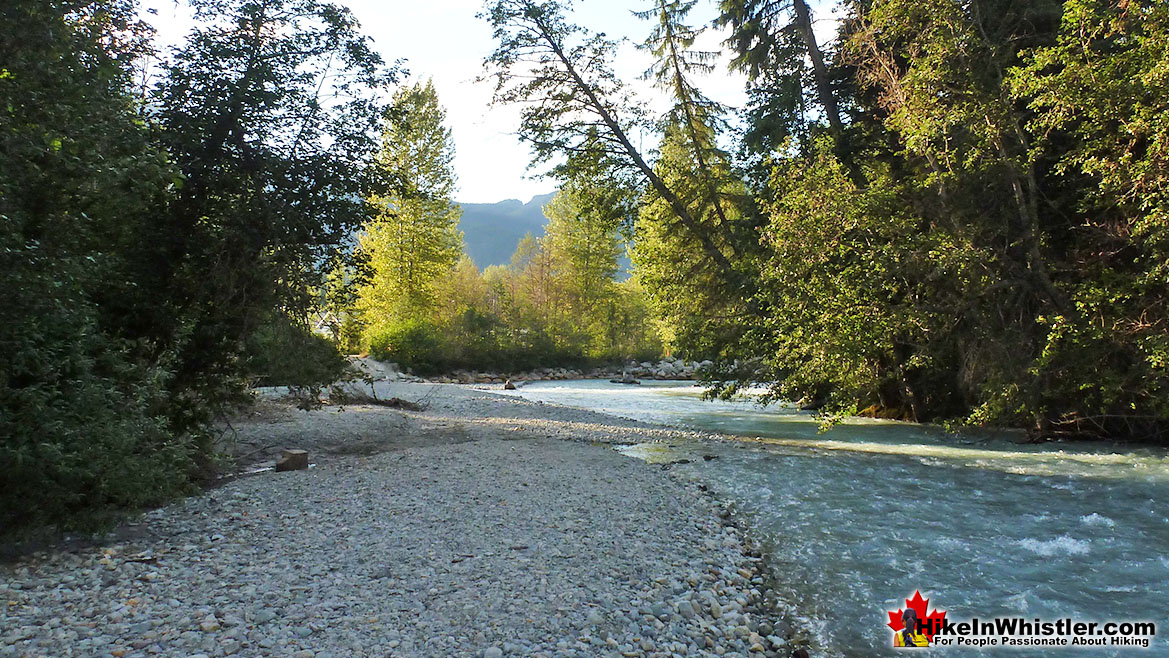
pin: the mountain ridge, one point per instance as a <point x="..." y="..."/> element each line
<point x="491" y="231"/>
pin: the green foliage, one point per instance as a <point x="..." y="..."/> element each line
<point x="980" y="233"/>
<point x="267" y="355"/>
<point x="412" y="343"/>
<point x="270" y="111"/>
<point x="792" y="90"/>
<point x="82" y="414"/>
<point x="414" y="238"/>
<point x="555" y="305"/>
<point x="870" y="301"/>
<point x="1100" y="97"/>
<point x="145" y="243"/>
<point x="974" y="259"/>
<point x="572" y="102"/>
<point x="338" y="304"/>
<point x="692" y="296"/>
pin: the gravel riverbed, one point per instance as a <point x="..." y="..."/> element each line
<point x="472" y="528"/>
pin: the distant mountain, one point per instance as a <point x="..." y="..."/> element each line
<point x="492" y="230"/>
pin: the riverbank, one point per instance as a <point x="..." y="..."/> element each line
<point x="471" y="528"/>
<point x="666" y="368"/>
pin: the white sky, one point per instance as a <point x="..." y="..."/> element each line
<point x="443" y="40"/>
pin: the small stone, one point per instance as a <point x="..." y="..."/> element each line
<point x="686" y="610"/>
<point x="493" y="652"/>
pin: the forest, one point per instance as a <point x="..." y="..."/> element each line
<point x="950" y="211"/>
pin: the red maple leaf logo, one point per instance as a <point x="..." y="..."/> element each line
<point x="932" y="621"/>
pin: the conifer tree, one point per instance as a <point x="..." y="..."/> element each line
<point x="562" y="75"/>
<point x="695" y="118"/>
<point x="774" y="42"/>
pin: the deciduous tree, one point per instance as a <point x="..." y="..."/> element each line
<point x="414" y="239"/>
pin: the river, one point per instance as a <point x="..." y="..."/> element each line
<point x="860" y="517"/>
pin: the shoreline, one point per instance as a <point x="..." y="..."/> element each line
<point x="678" y="577"/>
<point x="667" y="368"/>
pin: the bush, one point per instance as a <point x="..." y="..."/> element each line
<point x="81" y="420"/>
<point x="287" y="353"/>
<point x="415" y="344"/>
<point x="84" y="423"/>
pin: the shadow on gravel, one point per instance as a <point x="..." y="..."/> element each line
<point x="257" y="437"/>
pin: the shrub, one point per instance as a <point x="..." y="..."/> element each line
<point x="81" y="420"/>
<point x="411" y="343"/>
<point x="284" y="352"/>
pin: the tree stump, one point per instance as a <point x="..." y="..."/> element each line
<point x="292" y="460"/>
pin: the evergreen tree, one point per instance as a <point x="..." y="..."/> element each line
<point x="699" y="307"/>
<point x="562" y="76"/>
<point x="694" y="118"/>
<point x="775" y="45"/>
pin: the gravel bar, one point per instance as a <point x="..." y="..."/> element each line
<point x="506" y="542"/>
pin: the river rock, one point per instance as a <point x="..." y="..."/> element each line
<point x="441" y="514"/>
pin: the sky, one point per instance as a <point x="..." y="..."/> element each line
<point x="444" y="40"/>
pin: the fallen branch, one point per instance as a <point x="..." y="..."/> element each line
<point x="397" y="403"/>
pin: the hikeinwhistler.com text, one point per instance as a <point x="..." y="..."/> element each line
<point x="1019" y="632"/>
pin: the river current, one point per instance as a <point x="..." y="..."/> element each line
<point x="860" y="517"/>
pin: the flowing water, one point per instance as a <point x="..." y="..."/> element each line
<point x="859" y="518"/>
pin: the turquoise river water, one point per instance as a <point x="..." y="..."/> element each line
<point x="859" y="518"/>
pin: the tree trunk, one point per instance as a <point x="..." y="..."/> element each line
<point x="679" y="208"/>
<point x="819" y="70"/>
